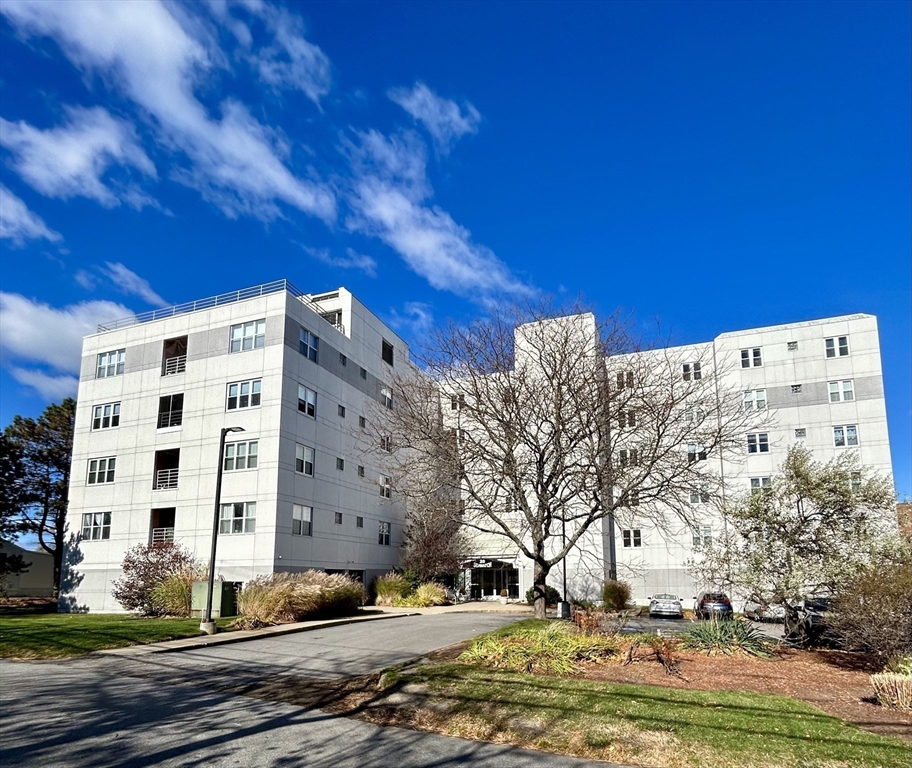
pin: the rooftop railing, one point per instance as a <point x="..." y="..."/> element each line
<point x="217" y="301"/>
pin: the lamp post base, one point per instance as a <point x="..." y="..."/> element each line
<point x="207" y="627"/>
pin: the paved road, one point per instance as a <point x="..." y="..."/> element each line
<point x="102" y="711"/>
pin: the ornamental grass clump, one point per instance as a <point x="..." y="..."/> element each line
<point x="172" y="597"/>
<point x="556" y="649"/>
<point x="727" y="637"/>
<point x="284" y="598"/>
<point x="425" y="595"/>
<point x="391" y="586"/>
<point x="893" y="686"/>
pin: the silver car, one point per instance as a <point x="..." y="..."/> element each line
<point x="753" y="609"/>
<point x="666" y="605"/>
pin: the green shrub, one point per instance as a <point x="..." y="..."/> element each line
<point x="727" y="637"/>
<point x="615" y="595"/>
<point x="557" y="649"/>
<point x="172" y="597"/>
<point x="583" y="604"/>
<point x="893" y="690"/>
<point x="900" y="665"/>
<point x="283" y="598"/>
<point x="391" y="586"/>
<point x="552" y="596"/>
<point x="424" y="596"/>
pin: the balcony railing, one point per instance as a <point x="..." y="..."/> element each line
<point x="174" y="365"/>
<point x="162" y="534"/>
<point x="171" y="418"/>
<point x="166" y="478"/>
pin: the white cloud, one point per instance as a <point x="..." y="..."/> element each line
<point x="51" y="336"/>
<point x="236" y="162"/>
<point x="416" y="321"/>
<point x="18" y="224"/>
<point x="132" y="284"/>
<point x="442" y="118"/>
<point x="388" y="199"/>
<point x="70" y="160"/>
<point x="49" y="386"/>
<point x="351" y="260"/>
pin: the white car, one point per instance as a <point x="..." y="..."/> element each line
<point x="665" y="605"/>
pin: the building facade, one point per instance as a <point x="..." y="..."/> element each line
<point x="299" y="374"/>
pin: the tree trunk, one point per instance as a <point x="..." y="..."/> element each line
<point x="538" y="590"/>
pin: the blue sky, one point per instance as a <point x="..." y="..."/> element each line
<point x="712" y="166"/>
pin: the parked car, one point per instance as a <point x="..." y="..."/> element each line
<point x="665" y="605"/>
<point x="713" y="604"/>
<point x="757" y="610"/>
<point x="813" y="618"/>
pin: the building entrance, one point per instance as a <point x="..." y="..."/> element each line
<point x="487" y="578"/>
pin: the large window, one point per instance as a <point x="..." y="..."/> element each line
<point x="239" y="517"/>
<point x="845" y="436"/>
<point x="246" y="336"/>
<point x="304" y="460"/>
<point x="386" y="397"/>
<point x="758" y="442"/>
<point x="384" y="533"/>
<point x="755" y="400"/>
<point x="111" y="364"/>
<point x="96" y="525"/>
<point x="692" y="370"/>
<point x="387" y="352"/>
<point x="170" y="411"/>
<point x="307" y="401"/>
<point x="751" y="357"/>
<point x="308" y="344"/>
<point x="838" y="346"/>
<point x="702" y="535"/>
<point x="631" y="537"/>
<point x="696" y="452"/>
<point x="301" y="520"/>
<point x="244" y="394"/>
<point x="624" y="379"/>
<point x="759" y="484"/>
<point x="243" y="455"/>
<point x="386" y="486"/>
<point x="101" y="471"/>
<point x="841" y="391"/>
<point x="627" y="418"/>
<point x="106" y="416"/>
<point x="629" y="457"/>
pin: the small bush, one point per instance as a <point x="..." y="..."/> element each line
<point x="893" y="690"/>
<point x="552" y="596"/>
<point x="557" y="649"/>
<point x="729" y="637"/>
<point x="284" y="598"/>
<point x="391" y="586"/>
<point x="900" y="665"/>
<point x="424" y="596"/>
<point x="615" y="595"/>
<point x="145" y="566"/>
<point x="173" y="596"/>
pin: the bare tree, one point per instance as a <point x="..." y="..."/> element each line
<point x="544" y="425"/>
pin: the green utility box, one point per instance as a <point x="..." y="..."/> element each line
<point x="224" y="599"/>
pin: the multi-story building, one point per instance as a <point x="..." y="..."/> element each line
<point x="299" y="374"/>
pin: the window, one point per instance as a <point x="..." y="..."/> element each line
<point x="362" y="422"/>
<point x="111" y="364"/>
<point x="759" y="484"/>
<point x="632" y="537"/>
<point x="702" y="535"/>
<point x="338" y="518"/>
<point x="242" y="455"/>
<point x="630" y="498"/>
<point x="841" y="391"/>
<point x="755" y="400"/>
<point x="627" y="418"/>
<point x="387" y="352"/>
<point x="801" y="432"/>
<point x="692" y="370"/>
<point x="239" y="517"/>
<point x="751" y="358"/>
<point x="386" y="443"/>
<point x="360" y="471"/>
<point x="695" y="414"/>
<point x="792" y="346"/>
<point x="758" y="443"/>
<point x="625" y="379"/>
<point x="457" y="403"/>
<point x="364" y="373"/>
<point x="796" y="388"/>
<point x="845" y="436"/>
<point x="244" y="394"/>
<point x="106" y="416"/>
<point x="307" y="401"/>
<point x="170" y="411"/>
<point x="855" y="481"/>
<point x="386" y="487"/>
<point x="630" y="457"/>
<point x="341" y="411"/>
<point x="246" y="336"/>
<point x="837" y="346"/>
<point x="301" y="520"/>
<point x="96" y="525"/>
<point x="101" y="471"/>
<point x="386" y="397"/>
<point x="699" y="496"/>
<point x="340" y="463"/>
<point x="359" y="522"/>
<point x="308" y="344"/>
<point x="384" y="534"/>
<point x="343" y="360"/>
<point x="304" y="460"/>
<point x="696" y="452"/>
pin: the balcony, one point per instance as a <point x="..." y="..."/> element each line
<point x="160" y="535"/>
<point x="165" y="479"/>
<point x="174" y="365"/>
<point x="174" y="356"/>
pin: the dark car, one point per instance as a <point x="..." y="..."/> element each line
<point x="711" y="604"/>
<point x="813" y="622"/>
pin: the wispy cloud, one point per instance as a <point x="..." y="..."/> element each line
<point x="236" y="162"/>
<point x="389" y="201"/>
<point x="70" y="160"/>
<point x="443" y="118"/>
<point x="415" y="322"/>
<point x="49" y="386"/>
<point x="128" y="282"/>
<point x="351" y="260"/>
<point x="18" y="224"/>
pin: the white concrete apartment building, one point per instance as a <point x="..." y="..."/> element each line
<point x="299" y="374"/>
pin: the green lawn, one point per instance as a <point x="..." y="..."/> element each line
<point x="54" y="636"/>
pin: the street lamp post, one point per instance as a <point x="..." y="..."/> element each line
<point x="207" y="625"/>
